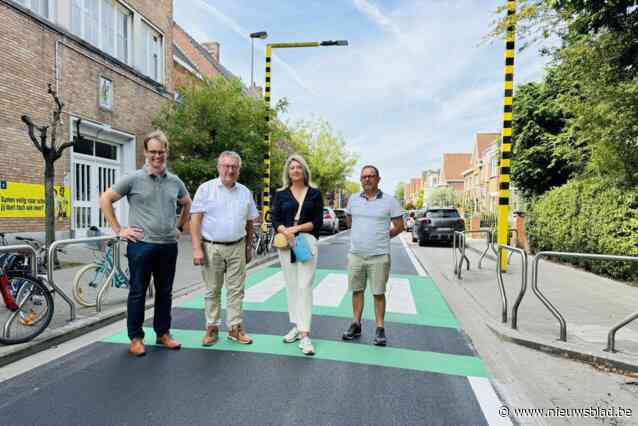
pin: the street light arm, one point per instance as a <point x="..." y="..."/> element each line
<point x="334" y="43"/>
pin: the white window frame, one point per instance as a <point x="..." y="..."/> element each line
<point x="100" y="42"/>
<point x="146" y="51"/>
<point x="33" y="5"/>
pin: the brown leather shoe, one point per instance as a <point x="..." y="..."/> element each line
<point x="137" y="347"/>
<point x="168" y="342"/>
<point x="236" y="334"/>
<point x="211" y="336"/>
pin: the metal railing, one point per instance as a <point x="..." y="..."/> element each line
<point x="563" y="325"/>
<point x="60" y="243"/>
<point x="461" y="247"/>
<point x="501" y="285"/>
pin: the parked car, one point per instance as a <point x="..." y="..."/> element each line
<point x="330" y="221"/>
<point x="341" y="215"/>
<point x="437" y="224"/>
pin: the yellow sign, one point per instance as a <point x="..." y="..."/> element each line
<point x="27" y="200"/>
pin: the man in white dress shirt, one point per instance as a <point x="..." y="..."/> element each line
<point x="222" y="217"/>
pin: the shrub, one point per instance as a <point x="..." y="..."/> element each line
<point x="590" y="215"/>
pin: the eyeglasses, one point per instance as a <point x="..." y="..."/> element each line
<point x="158" y="153"/>
<point x="364" y="177"/>
<point x="230" y="166"/>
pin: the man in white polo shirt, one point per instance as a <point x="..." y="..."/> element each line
<point x="375" y="218"/>
<point x="221" y="226"/>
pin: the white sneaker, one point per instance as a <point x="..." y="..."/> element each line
<point x="306" y="346"/>
<point x="292" y="336"/>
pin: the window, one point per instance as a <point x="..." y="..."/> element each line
<point x="104" y="23"/>
<point x="91" y="14"/>
<point x="95" y="148"/>
<point x="108" y="27"/>
<point x="151" y="61"/>
<point x="43" y="8"/>
<point x="494" y="168"/>
<point x="123" y="22"/>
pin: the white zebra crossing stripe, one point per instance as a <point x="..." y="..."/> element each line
<point x="400" y="298"/>
<point x="265" y="289"/>
<point x="331" y="290"/>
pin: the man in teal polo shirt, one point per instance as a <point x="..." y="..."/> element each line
<point x="153" y="194"/>
<point x="375" y="218"/>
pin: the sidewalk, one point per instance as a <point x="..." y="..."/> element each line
<point x="187" y="280"/>
<point x="590" y="305"/>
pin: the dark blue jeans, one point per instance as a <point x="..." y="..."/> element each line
<point x="144" y="260"/>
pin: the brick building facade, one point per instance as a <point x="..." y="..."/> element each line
<point x="111" y="63"/>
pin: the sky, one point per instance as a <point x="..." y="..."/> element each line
<point x="417" y="79"/>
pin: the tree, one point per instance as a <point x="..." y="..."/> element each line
<point x="545" y="154"/>
<point x="444" y="197"/>
<point x="352" y="187"/>
<point x="213" y="116"/>
<point x="325" y="151"/>
<point x="399" y="192"/>
<point x="419" y="200"/>
<point x="51" y="153"/>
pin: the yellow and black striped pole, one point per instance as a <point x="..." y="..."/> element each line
<point x="265" y="195"/>
<point x="506" y="143"/>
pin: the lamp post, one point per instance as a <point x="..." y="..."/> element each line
<point x="261" y="35"/>
<point x="265" y="199"/>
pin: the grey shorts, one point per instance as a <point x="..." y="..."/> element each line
<point x="368" y="269"/>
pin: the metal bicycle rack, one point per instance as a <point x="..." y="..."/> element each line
<point x="61" y="243"/>
<point x="501" y="285"/>
<point x="459" y="267"/>
<point x="611" y="337"/>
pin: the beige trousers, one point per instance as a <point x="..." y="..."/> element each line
<point x="299" y="277"/>
<point x="230" y="262"/>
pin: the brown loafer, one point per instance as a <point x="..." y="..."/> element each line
<point x="168" y="342"/>
<point x="236" y="334"/>
<point x="211" y="336"/>
<point x="137" y="347"/>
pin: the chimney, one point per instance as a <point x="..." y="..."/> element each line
<point x="212" y="47"/>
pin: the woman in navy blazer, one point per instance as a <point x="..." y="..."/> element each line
<point x="298" y="275"/>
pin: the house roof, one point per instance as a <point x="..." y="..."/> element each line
<point x="484" y="141"/>
<point x="454" y="164"/>
<point x="198" y="55"/>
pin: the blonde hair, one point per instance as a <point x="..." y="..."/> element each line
<point x="285" y="178"/>
<point x="159" y="136"/>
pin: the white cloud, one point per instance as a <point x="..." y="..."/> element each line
<point x="373" y="12"/>
<point x="244" y="33"/>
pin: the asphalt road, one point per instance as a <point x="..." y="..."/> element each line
<point x="428" y="373"/>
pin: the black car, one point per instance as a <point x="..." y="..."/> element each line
<point x="341" y="215"/>
<point x="437" y="224"/>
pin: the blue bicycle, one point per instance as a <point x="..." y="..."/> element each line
<point x="92" y="277"/>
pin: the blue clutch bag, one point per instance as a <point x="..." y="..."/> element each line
<point x="302" y="248"/>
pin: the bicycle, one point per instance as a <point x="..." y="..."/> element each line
<point x="262" y="240"/>
<point x="28" y="303"/>
<point x="88" y="280"/>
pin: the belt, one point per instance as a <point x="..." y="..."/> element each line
<point x="224" y="243"/>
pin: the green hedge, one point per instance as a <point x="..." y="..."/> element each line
<point x="588" y="216"/>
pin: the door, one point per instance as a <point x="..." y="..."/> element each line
<point x="92" y="177"/>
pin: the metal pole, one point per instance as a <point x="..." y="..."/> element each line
<point x="265" y="195"/>
<point x="506" y="144"/>
<point x="252" y="62"/>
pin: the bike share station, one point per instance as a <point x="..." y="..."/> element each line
<point x="500" y="251"/>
